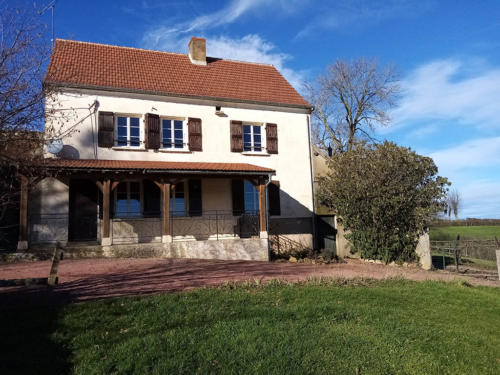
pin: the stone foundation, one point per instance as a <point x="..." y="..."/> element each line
<point x="228" y="249"/>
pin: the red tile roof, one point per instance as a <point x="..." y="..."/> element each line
<point x="153" y="165"/>
<point x="83" y="64"/>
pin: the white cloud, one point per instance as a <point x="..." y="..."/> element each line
<point x="473" y="167"/>
<point x="476" y="153"/>
<point x="162" y="34"/>
<point x="350" y="15"/>
<point x="450" y="90"/>
<point x="251" y="47"/>
<point x="480" y="199"/>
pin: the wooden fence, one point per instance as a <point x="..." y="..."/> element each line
<point x="479" y="249"/>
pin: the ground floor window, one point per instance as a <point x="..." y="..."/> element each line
<point x="143" y="199"/>
<point x="178" y="201"/>
<point x="128" y="199"/>
<point x="251" y="197"/>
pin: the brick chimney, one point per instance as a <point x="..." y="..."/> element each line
<point x="198" y="51"/>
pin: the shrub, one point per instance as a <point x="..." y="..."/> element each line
<point x="385" y="195"/>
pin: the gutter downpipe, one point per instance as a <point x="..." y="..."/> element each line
<point x="312" y="182"/>
<point x="267" y="218"/>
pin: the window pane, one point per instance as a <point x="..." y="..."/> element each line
<point x="247" y="142"/>
<point x="256" y="143"/>
<point x="135" y="141"/>
<point x="167" y="133"/>
<point x="134" y="132"/>
<point x="247" y="129"/>
<point x="257" y="139"/>
<point x="121" y="199"/>
<point x="122" y="132"/>
<point x="251" y="198"/>
<point x="121" y="207"/>
<point x="134" y="122"/>
<point x="177" y="202"/>
<point x="122" y="141"/>
<point x="177" y="125"/>
<point x="134" y="208"/>
<point x="122" y="121"/>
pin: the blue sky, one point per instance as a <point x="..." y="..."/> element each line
<point x="447" y="53"/>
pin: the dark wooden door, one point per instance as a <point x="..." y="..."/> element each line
<point x="82" y="210"/>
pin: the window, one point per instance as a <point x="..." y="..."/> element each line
<point x="128" y="130"/>
<point x="128" y="199"/>
<point x="178" y="201"/>
<point x="251" y="196"/>
<point x="172" y="134"/>
<point x="252" y="138"/>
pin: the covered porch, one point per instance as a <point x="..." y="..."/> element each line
<point x="205" y="210"/>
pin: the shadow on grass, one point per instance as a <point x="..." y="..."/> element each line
<point x="26" y="344"/>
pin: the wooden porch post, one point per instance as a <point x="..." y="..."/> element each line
<point x="262" y="208"/>
<point x="166" y="233"/>
<point x="105" y="229"/>
<point x="23" y="214"/>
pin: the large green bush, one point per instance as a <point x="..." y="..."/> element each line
<point x="385" y="196"/>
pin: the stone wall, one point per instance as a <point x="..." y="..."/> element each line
<point x="228" y="249"/>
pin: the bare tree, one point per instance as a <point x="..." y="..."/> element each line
<point x="454" y="202"/>
<point x="24" y="54"/>
<point x="350" y="99"/>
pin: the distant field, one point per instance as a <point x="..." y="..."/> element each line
<point x="466" y="233"/>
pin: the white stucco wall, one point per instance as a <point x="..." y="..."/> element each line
<point x="292" y="163"/>
<point x="48" y="211"/>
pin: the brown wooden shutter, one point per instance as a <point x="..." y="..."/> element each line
<point x="195" y="202"/>
<point x="272" y="138"/>
<point x="238" y="197"/>
<point x="194" y="131"/>
<point x="152" y="131"/>
<point x="273" y="191"/>
<point x="106" y="129"/>
<point x="236" y="136"/>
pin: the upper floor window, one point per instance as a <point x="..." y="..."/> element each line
<point x="172" y="134"/>
<point x="252" y="138"/>
<point x="129" y="131"/>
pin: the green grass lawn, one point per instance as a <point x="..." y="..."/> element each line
<point x="466" y="233"/>
<point x="385" y="327"/>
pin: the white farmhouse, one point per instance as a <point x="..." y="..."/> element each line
<point x="171" y="155"/>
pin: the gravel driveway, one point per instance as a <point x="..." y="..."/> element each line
<point x="85" y="279"/>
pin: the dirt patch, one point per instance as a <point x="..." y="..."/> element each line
<point x="85" y="279"/>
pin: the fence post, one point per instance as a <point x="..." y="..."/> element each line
<point x="457" y="251"/>
<point x="498" y="256"/>
<point x="217" y="223"/>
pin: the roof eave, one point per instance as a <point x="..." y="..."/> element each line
<point x="46" y="82"/>
<point x="155" y="170"/>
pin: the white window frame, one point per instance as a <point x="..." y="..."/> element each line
<point x="141" y="200"/>
<point x="141" y="130"/>
<point x="263" y="149"/>
<point x="184" y="134"/>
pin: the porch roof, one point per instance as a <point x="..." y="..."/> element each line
<point x="155" y="166"/>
